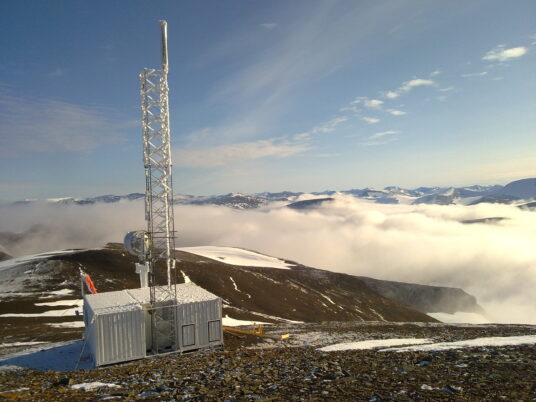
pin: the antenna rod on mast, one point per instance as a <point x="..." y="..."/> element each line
<point x="163" y="30"/>
<point x="159" y="202"/>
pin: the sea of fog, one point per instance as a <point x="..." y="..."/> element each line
<point x="424" y="244"/>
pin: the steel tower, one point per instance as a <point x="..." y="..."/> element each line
<point x="160" y="236"/>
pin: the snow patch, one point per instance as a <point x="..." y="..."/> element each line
<point x="296" y="286"/>
<point x="90" y="386"/>
<point x="233" y="322"/>
<point x="373" y="344"/>
<point x="55" y="293"/>
<point x="237" y="256"/>
<point x="378" y="314"/>
<point x="27" y="258"/>
<point x="18" y="294"/>
<point x="268" y="316"/>
<point x="15" y="390"/>
<point x="61" y="292"/>
<point x="327" y="298"/>
<point x="460" y="318"/>
<point x="6" y="368"/>
<point x="14" y="344"/>
<point x="68" y="324"/>
<point x="49" y="313"/>
<point x="256" y="274"/>
<point x="61" y="356"/>
<point x="236" y="287"/>
<point x="234" y="284"/>
<point x="471" y="343"/>
<point x="74" y="302"/>
<point x="186" y="278"/>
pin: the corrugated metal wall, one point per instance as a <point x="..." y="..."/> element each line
<point x="199" y="325"/>
<point x="125" y="335"/>
<point x="90" y="333"/>
<point x="120" y="336"/>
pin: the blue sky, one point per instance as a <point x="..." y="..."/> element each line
<point x="265" y="96"/>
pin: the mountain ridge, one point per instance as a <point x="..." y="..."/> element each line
<point x="516" y="191"/>
<point x="40" y="292"/>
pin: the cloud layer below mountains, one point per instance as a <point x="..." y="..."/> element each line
<point x="424" y="244"/>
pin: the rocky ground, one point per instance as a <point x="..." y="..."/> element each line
<point x="261" y="369"/>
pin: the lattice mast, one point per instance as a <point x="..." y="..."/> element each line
<point x="159" y="201"/>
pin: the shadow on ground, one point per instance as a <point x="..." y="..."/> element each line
<point x="59" y="357"/>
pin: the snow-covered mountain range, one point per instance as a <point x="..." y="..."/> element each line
<point x="518" y="192"/>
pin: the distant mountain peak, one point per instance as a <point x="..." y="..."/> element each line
<point x="524" y="188"/>
<point x="519" y="190"/>
<point x="513" y="192"/>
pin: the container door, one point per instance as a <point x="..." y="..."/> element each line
<point x="188" y="335"/>
<point x="214" y="331"/>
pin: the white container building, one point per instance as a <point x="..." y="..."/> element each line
<point x="118" y="326"/>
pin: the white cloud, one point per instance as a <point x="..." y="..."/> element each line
<point x="382" y="134"/>
<point x="349" y="108"/>
<point x="231" y="154"/>
<point x="325" y="155"/>
<point x="322" y="128"/>
<point x="371" y="120"/>
<point x="381" y="138"/>
<point x="421" y="244"/>
<point x="435" y="73"/>
<point x="408" y="86"/>
<point x="417" y="82"/>
<point x="196" y="152"/>
<point x="396" y="112"/>
<point x="373" y="143"/>
<point x="302" y="136"/>
<point x="469" y="75"/>
<point x="392" y="95"/>
<point x="46" y="125"/>
<point x="282" y="65"/>
<point x="329" y="126"/>
<point x="447" y="89"/>
<point x="58" y="72"/>
<point x="252" y="123"/>
<point x="371" y="103"/>
<point x="269" y="25"/>
<point x="366" y="102"/>
<point x="424" y="244"/>
<point x="500" y="53"/>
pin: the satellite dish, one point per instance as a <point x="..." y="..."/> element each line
<point x="137" y="243"/>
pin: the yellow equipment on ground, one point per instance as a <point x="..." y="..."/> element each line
<point x="256" y="330"/>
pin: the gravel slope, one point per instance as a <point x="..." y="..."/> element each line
<point x="248" y="370"/>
